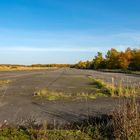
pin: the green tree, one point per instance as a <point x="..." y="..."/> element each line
<point x="135" y="60"/>
<point x="123" y="61"/>
<point x="99" y="61"/>
<point x="112" y="59"/>
<point x="81" y="65"/>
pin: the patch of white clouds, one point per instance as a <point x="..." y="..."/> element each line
<point x="66" y="41"/>
<point x="38" y="49"/>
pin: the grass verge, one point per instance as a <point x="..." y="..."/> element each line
<point x="115" y="91"/>
<point x="120" y="71"/>
<point x="23" y="133"/>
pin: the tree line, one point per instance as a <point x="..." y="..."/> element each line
<point x="35" y="65"/>
<point x="51" y="65"/>
<point x="113" y="59"/>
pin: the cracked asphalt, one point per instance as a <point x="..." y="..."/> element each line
<point x="17" y="101"/>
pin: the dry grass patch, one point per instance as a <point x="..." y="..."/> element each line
<point x="126" y="120"/>
<point x="12" y="68"/>
<point x="52" y="95"/>
<point x="115" y="91"/>
<point x="4" y="82"/>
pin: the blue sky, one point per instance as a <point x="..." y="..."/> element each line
<point x="66" y="31"/>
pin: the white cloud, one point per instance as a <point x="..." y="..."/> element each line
<point x="38" y="49"/>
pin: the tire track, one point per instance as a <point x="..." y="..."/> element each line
<point x="57" y="78"/>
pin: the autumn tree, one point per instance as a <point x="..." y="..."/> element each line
<point x="99" y="61"/>
<point x="112" y="59"/>
<point x="128" y="59"/>
<point x="135" y="60"/>
<point x="125" y="59"/>
<point x="89" y="64"/>
<point x="81" y="65"/>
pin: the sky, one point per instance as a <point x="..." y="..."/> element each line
<point x="66" y="31"/>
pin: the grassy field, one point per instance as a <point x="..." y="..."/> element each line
<point x="10" y="67"/>
<point x="14" y="68"/>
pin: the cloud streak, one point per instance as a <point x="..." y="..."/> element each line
<point x="38" y="49"/>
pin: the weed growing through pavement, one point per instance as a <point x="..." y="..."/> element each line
<point x="116" y="91"/>
<point x="52" y="95"/>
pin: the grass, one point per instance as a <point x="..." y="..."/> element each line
<point x="126" y="120"/>
<point x="115" y="91"/>
<point x="10" y="67"/>
<point x="120" y="71"/>
<point x="14" y="68"/>
<point x="4" y="82"/>
<point x="23" y="133"/>
<point x="52" y="95"/>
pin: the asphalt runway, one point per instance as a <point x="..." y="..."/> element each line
<point x="18" y="103"/>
